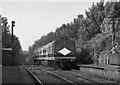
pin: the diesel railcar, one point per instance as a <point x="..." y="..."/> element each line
<point x="58" y="52"/>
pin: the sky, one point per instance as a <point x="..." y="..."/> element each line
<point x="34" y="19"/>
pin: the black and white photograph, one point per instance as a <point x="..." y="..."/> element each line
<point x="59" y="42"/>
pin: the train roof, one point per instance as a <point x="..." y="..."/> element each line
<point x="44" y="46"/>
<point x="49" y="44"/>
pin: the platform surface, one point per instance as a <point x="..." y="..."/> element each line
<point x="105" y="67"/>
<point x="16" y="75"/>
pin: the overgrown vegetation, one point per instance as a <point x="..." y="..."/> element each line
<point x="98" y="31"/>
<point x="7" y="43"/>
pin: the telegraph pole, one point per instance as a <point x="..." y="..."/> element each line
<point x="13" y="24"/>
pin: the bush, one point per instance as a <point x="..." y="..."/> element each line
<point x="84" y="57"/>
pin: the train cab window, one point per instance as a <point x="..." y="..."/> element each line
<point x="48" y="49"/>
<point x="44" y="51"/>
<point x="39" y="52"/>
<point x="51" y="49"/>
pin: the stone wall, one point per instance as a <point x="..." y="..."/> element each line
<point x="109" y="58"/>
<point x="104" y="57"/>
<point x="108" y="74"/>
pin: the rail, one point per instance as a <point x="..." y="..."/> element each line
<point x="57" y="76"/>
<point x="82" y="76"/>
<point x="32" y="74"/>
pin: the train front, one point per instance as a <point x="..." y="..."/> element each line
<point x="65" y="53"/>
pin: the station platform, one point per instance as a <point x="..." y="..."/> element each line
<point x="103" y="67"/>
<point x="15" y="75"/>
<point x="111" y="72"/>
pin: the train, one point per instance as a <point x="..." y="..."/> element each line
<point x="60" y="52"/>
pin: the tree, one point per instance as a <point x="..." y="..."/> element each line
<point x="93" y="32"/>
<point x="95" y="17"/>
<point x="115" y="17"/>
<point x="111" y="22"/>
<point x="7" y="43"/>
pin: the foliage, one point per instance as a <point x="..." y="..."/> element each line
<point x="93" y="33"/>
<point x="84" y="57"/>
<point x="95" y="16"/>
<point x="7" y="41"/>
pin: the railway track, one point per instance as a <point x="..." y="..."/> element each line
<point x="45" y="77"/>
<point x="37" y="81"/>
<point x="78" y="76"/>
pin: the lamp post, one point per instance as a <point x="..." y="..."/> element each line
<point x="13" y="24"/>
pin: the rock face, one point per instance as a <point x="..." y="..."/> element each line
<point x="114" y="59"/>
<point x="109" y="58"/>
<point x="111" y="54"/>
<point x="104" y="57"/>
